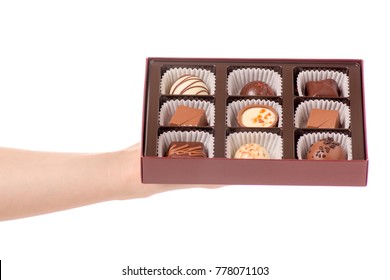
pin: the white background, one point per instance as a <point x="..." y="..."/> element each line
<point x="71" y="79"/>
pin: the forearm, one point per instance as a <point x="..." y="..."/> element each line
<point x="33" y="183"/>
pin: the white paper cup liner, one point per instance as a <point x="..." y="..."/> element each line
<point x="341" y="79"/>
<point x="305" y="141"/>
<point x="272" y="142"/>
<point x="170" y="77"/>
<point x="303" y="111"/>
<point x="239" y="78"/>
<point x="168" y="109"/>
<point x="166" y="138"/>
<point x="234" y="108"/>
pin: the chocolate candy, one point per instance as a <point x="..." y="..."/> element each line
<point x="186" y="150"/>
<point x="326" y="149"/>
<point x="257" y="88"/>
<point x="319" y="118"/>
<point x="322" y="88"/>
<point x="251" y="151"/>
<point x="187" y="116"/>
<point x="189" y="85"/>
<point x="257" y="116"/>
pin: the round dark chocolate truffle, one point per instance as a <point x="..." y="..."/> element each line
<point x="326" y="149"/>
<point x="257" y="88"/>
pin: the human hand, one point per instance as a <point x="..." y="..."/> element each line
<point x="131" y="176"/>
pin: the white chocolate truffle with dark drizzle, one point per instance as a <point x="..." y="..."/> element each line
<point x="189" y="85"/>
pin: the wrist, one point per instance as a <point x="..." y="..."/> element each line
<point x="125" y="173"/>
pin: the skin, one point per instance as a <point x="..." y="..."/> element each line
<point x="34" y="183"/>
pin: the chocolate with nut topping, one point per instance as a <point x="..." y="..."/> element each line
<point x="326" y="149"/>
<point x="257" y="116"/>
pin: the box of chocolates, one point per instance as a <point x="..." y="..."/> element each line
<point x="254" y="121"/>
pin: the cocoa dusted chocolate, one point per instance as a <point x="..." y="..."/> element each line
<point x="257" y="88"/>
<point x="251" y="151"/>
<point x="186" y="150"/>
<point x="189" y="85"/>
<point x="326" y="149"/>
<point x="187" y="116"/>
<point x="319" y="118"/>
<point x="257" y="116"/>
<point x="323" y="88"/>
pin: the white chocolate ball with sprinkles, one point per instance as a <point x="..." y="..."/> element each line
<point x="251" y="151"/>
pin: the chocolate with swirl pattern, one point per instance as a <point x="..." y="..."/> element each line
<point x="186" y="150"/>
<point x="189" y="85"/>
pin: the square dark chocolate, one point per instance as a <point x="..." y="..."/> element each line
<point x="322" y="88"/>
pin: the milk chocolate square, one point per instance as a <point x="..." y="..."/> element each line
<point x="186" y="150"/>
<point x="187" y="116"/>
<point x="319" y="118"/>
<point x="322" y="88"/>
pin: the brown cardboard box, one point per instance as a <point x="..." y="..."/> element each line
<point x="220" y="169"/>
